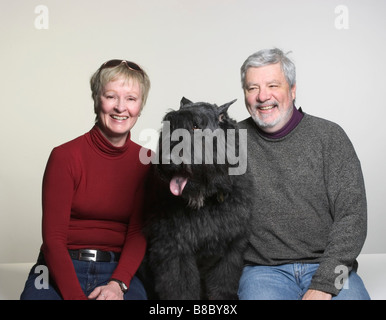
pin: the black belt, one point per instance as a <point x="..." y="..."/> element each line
<point x="94" y="255"/>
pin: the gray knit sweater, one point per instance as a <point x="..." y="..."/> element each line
<point x="310" y="201"/>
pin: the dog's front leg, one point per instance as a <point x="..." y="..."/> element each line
<point x="222" y="279"/>
<point x="177" y="278"/>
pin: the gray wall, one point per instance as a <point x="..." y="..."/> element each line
<point x="189" y="48"/>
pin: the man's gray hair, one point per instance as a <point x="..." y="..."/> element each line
<point x="270" y="56"/>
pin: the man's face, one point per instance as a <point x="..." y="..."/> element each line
<point x="268" y="97"/>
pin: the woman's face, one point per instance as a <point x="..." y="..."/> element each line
<point x="120" y="107"/>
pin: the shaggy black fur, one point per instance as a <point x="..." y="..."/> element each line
<point x="196" y="238"/>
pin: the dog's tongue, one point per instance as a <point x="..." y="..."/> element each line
<point x="177" y="184"/>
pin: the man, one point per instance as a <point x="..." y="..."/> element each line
<point x="310" y="214"/>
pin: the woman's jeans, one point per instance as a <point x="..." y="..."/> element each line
<point x="90" y="275"/>
<point x="290" y="282"/>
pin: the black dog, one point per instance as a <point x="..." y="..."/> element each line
<point x="198" y="227"/>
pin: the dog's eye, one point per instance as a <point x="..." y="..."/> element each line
<point x="195" y="126"/>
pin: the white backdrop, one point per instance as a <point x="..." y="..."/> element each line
<point x="50" y="48"/>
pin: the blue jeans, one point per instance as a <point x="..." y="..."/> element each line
<point x="90" y="275"/>
<point x="290" y="282"/>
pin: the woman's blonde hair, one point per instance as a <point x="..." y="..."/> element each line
<point x="105" y="74"/>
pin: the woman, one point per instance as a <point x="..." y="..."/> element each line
<point x="93" y="190"/>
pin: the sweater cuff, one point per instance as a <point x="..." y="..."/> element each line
<point x="324" y="287"/>
<point x="331" y="277"/>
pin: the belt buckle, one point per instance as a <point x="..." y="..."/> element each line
<point x="83" y="255"/>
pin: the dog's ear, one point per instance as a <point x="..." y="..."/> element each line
<point x="184" y="102"/>
<point x="224" y="109"/>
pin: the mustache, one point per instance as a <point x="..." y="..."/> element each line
<point x="266" y="104"/>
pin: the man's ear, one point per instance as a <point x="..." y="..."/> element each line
<point x="293" y="92"/>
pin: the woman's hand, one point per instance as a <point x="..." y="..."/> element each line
<point x="111" y="291"/>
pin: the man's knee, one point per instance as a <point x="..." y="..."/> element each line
<point x="353" y="289"/>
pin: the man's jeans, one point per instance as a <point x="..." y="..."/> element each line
<point x="290" y="282"/>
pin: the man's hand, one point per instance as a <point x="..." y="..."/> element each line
<point x="316" y="295"/>
<point x="111" y="291"/>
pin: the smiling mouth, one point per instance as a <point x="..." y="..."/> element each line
<point x="264" y="108"/>
<point x="119" y="117"/>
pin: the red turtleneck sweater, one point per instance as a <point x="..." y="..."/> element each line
<point x="92" y="198"/>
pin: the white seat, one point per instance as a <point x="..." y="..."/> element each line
<point x="372" y="270"/>
<point x="12" y="279"/>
